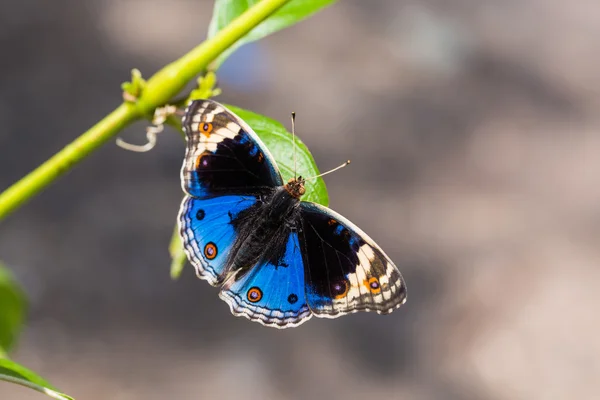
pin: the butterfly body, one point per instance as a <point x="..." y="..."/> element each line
<point x="265" y="228"/>
<point x="278" y="260"/>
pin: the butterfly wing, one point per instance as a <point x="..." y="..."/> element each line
<point x="271" y="292"/>
<point x="208" y="231"/>
<point x="223" y="154"/>
<point x="345" y="270"/>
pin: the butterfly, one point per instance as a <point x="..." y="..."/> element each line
<point x="277" y="259"/>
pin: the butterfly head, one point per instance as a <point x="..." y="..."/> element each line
<point x="295" y="187"/>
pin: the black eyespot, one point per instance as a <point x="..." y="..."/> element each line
<point x="200" y="214"/>
<point x="292" y="298"/>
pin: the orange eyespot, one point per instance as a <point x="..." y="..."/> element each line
<point x="373" y="285"/>
<point x="331" y="222"/>
<point x="210" y="251"/>
<point x="340" y="289"/>
<point x="254" y="294"/>
<point x="205" y="128"/>
<point x="201" y="162"/>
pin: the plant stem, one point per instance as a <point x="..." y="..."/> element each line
<point x="64" y="160"/>
<point x="172" y="78"/>
<point x="160" y="88"/>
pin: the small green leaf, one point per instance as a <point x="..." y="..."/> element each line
<point x="12" y="309"/>
<point x="133" y="89"/>
<point x="226" y="11"/>
<point x="207" y="88"/>
<point x="15" y="373"/>
<point x="178" y="257"/>
<point x="279" y="142"/>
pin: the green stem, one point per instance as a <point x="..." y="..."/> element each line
<point x="64" y="160"/>
<point x="160" y="88"/>
<point x="172" y="78"/>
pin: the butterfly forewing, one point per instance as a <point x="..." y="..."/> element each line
<point x="345" y="270"/>
<point x="223" y="154"/>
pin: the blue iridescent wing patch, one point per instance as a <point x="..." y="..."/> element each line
<point x="208" y="232"/>
<point x="345" y="270"/>
<point x="272" y="292"/>
<point x="223" y="154"/>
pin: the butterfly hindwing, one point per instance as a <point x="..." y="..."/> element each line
<point x="208" y="232"/>
<point x="345" y="270"/>
<point x="271" y="292"/>
<point x="223" y="154"/>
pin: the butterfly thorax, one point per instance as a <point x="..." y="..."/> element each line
<point x="295" y="187"/>
<point x="265" y="232"/>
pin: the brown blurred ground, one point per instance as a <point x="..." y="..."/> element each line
<point x="474" y="131"/>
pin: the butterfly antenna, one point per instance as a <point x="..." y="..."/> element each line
<point x="330" y="171"/>
<point x="294" y="140"/>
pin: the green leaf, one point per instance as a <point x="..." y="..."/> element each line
<point x="12" y="314"/>
<point x="226" y="11"/>
<point x="15" y="373"/>
<point x="178" y="257"/>
<point x="279" y="142"/>
<point x="12" y="309"/>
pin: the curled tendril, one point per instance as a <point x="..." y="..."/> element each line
<point x="160" y="116"/>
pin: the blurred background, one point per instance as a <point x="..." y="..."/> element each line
<point x="474" y="133"/>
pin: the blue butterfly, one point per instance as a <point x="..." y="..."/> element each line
<point x="277" y="259"/>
